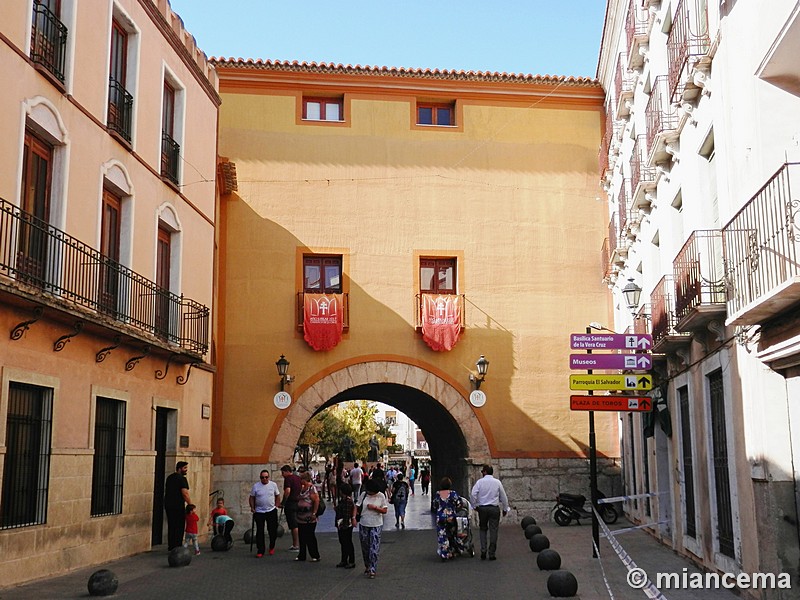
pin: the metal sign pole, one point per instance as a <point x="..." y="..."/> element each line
<point x="593" y="472"/>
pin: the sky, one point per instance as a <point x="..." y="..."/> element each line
<point x="537" y="37"/>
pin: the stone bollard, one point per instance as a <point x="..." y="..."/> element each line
<point x="539" y="542"/>
<point x="562" y="584"/>
<point x="179" y="557"/>
<point x="548" y="560"/>
<point x="103" y="583"/>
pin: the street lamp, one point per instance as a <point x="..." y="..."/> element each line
<point x="632" y="293"/>
<point x="283" y="366"/>
<point x="482" y="365"/>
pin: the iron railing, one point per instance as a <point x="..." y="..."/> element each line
<point x="613" y="237"/>
<point x="300" y="305"/>
<point x="605" y="144"/>
<point x="120" y="109"/>
<point x="641" y="320"/>
<point x="760" y="243"/>
<point x="637" y="23"/>
<point x="48" y="41"/>
<point x="642" y="174"/>
<point x="623" y="206"/>
<point x="687" y="41"/>
<point x="605" y="260"/>
<point x="40" y="256"/>
<point x="699" y="272"/>
<point x="170" y="153"/>
<point x="623" y="84"/>
<point x="664" y="319"/>
<point x="661" y="115"/>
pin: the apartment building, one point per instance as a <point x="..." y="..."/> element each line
<point x="699" y="163"/>
<point x="107" y="246"/>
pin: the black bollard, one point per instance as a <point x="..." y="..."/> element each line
<point x="103" y="583"/>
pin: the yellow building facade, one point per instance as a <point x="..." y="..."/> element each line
<point x="396" y="192"/>
<point x="107" y="237"/>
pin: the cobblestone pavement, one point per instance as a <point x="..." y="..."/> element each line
<point x="408" y="561"/>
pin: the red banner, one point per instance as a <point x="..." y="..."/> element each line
<point x="322" y="320"/>
<point x="441" y="321"/>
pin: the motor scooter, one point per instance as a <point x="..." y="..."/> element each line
<point x="571" y="506"/>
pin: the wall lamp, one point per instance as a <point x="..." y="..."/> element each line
<point x="483" y="366"/>
<point x="632" y="293"/>
<point x="283" y="367"/>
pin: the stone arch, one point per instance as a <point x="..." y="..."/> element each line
<point x="365" y="373"/>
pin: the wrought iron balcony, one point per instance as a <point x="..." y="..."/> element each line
<point x="300" y="311"/>
<point x="637" y="28"/>
<point x="120" y="109"/>
<point x="605" y="261"/>
<point x="688" y="41"/>
<point x="48" y="41"/>
<point x="170" y="154"/>
<point x="666" y="337"/>
<point x="617" y="245"/>
<point x="605" y="147"/>
<point x="623" y="86"/>
<point x="37" y="259"/>
<point x="760" y="244"/>
<point x="641" y="320"/>
<point x="662" y="121"/>
<point x="643" y="176"/>
<point x="699" y="280"/>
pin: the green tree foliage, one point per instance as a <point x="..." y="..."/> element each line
<point x="328" y="432"/>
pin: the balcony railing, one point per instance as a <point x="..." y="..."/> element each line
<point x="120" y="109"/>
<point x="623" y="85"/>
<point x="760" y="245"/>
<point x="170" y="153"/>
<point x="42" y="258"/>
<point x="641" y="320"/>
<point x="48" y="41"/>
<point x="605" y="145"/>
<point x="666" y="337"/>
<point x="643" y="176"/>
<point x="662" y="119"/>
<point x="699" y="279"/>
<point x="418" y="309"/>
<point x="605" y="260"/>
<point x="300" y="311"/>
<point x="688" y="40"/>
<point x="623" y="206"/>
<point x="637" y="28"/>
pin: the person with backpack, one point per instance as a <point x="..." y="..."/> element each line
<point x="399" y="497"/>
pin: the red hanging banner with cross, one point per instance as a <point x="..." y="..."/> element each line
<point x="441" y="320"/>
<point x="322" y="320"/>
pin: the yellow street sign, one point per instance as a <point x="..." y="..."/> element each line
<point x="610" y="382"/>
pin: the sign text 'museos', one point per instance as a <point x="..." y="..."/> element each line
<point x="610" y="341"/>
<point x="629" y="362"/>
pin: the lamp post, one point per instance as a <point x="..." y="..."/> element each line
<point x="632" y="293"/>
<point x="283" y="366"/>
<point x="483" y="366"/>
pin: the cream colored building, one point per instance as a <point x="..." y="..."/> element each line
<point x="107" y="241"/>
<point x="401" y="186"/>
<point x="699" y="161"/>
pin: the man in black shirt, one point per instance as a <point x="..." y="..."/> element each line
<point x="176" y="497"/>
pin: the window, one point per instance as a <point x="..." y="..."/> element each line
<point x="109" y="457"/>
<point x="690" y="525"/>
<point x="109" y="248"/>
<point x="163" y="263"/>
<point x="322" y="274"/>
<point x="719" y="448"/>
<point x="26" y="471"/>
<point x="437" y="275"/>
<point x="435" y="114"/>
<point x="49" y="38"/>
<point x="120" y="101"/>
<point x="170" y="149"/>
<point x="323" y="109"/>
<point x="37" y="172"/>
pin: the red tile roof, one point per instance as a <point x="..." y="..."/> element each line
<point x="315" y="67"/>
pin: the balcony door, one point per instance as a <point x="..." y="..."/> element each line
<point x="163" y="258"/>
<point x="37" y="174"/>
<point x="109" y="249"/>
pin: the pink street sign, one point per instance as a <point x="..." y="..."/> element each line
<point x="631" y="362"/>
<point x="610" y="341"/>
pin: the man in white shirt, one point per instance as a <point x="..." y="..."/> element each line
<point x="264" y="503"/>
<point x="489" y="498"/>
<point x="356" y="474"/>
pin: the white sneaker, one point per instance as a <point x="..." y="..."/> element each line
<point x="294" y="549"/>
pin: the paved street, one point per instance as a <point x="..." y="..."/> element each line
<point x="407" y="560"/>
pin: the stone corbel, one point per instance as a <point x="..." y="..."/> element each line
<point x="662" y="171"/>
<point x="644" y="51"/>
<point x="684" y="354"/>
<point x="671" y="148"/>
<point x="717" y="329"/>
<point x="702" y="80"/>
<point x="688" y="110"/>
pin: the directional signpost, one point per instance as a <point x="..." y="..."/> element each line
<point x="619" y="403"/>
<point x="627" y="362"/>
<point x="611" y="341"/>
<point x="610" y="382"/>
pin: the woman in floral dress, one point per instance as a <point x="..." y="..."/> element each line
<point x="446" y="502"/>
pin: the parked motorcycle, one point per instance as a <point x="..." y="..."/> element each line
<point x="571" y="506"/>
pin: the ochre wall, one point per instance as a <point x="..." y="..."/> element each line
<point x="511" y="191"/>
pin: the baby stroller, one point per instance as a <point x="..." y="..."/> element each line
<point x="463" y="537"/>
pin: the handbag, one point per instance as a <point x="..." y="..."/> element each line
<point x="321" y="507"/>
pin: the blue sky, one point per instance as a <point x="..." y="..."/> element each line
<point x="539" y="37"/>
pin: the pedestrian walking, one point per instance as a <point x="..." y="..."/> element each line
<point x="399" y="499"/>
<point x="345" y="521"/>
<point x="373" y="505"/>
<point x="176" y="497"/>
<point x="425" y="480"/>
<point x="307" y="519"/>
<point x="190" y="529"/>
<point x="489" y="498"/>
<point x="447" y="503"/>
<point x="356" y="477"/>
<point x="264" y="504"/>
<point x="291" y="495"/>
<point x="412" y="477"/>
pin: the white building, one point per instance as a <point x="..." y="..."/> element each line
<point x="698" y="161"/>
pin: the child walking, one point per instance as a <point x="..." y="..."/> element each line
<point x="190" y="530"/>
<point x="345" y="521"/>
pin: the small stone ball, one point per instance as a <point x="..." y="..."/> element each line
<point x="532" y="530"/>
<point x="248" y="536"/>
<point x="548" y="560"/>
<point x="539" y="542"/>
<point x="562" y="584"/>
<point x="219" y="543"/>
<point x="280" y="530"/>
<point x="103" y="583"/>
<point x="179" y="557"/>
<point x="527" y="521"/>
